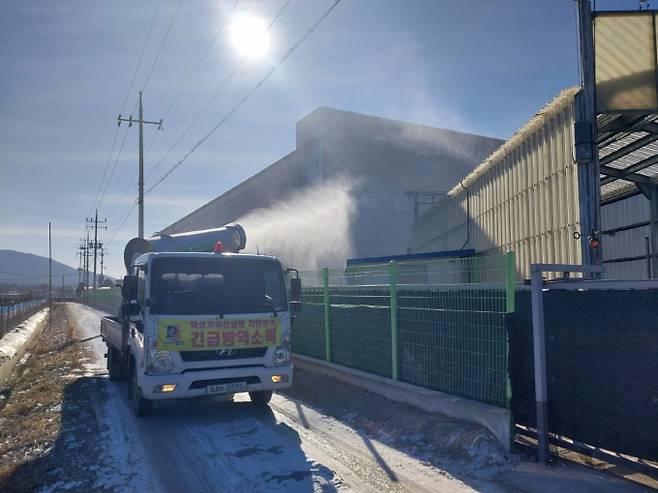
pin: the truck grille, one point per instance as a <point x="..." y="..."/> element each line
<point x="256" y="352"/>
<point x="202" y="384"/>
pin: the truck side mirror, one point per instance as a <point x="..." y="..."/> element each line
<point x="129" y="309"/>
<point x="295" y="289"/>
<point x="129" y="288"/>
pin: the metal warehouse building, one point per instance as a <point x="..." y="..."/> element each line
<point x="579" y="182"/>
<point x="526" y="196"/>
<point x="394" y="170"/>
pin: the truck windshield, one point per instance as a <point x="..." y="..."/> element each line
<point x="220" y="285"/>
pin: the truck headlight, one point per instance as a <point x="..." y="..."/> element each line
<point x="281" y="354"/>
<point x="159" y="362"/>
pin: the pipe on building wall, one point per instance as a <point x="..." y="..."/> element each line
<point x="468" y="214"/>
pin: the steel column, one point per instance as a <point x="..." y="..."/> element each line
<point x="327" y="306"/>
<point x="539" y="351"/>
<point x="393" y="293"/>
<point x="653" y="230"/>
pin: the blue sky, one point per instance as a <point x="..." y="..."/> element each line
<point x="476" y="66"/>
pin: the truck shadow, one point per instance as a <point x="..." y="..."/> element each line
<point x="203" y="444"/>
<point x="232" y="443"/>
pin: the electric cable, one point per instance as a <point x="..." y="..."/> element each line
<point x="221" y="88"/>
<point x="123" y="104"/>
<point x="196" y="67"/>
<point x="162" y="43"/>
<point x="258" y="85"/>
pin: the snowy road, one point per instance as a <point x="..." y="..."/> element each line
<point x="214" y="445"/>
<point x="209" y="445"/>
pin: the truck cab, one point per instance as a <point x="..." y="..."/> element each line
<point x="195" y="324"/>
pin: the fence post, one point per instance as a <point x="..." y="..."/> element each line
<point x="327" y="306"/>
<point x="510" y="293"/>
<point x="393" y="292"/>
<point x="539" y="353"/>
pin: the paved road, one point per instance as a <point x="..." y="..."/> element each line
<point x="214" y="445"/>
<point x="209" y="444"/>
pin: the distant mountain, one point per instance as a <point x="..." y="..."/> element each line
<point x="26" y="269"/>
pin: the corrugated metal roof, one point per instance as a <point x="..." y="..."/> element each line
<point x="557" y="104"/>
<point x="631" y="139"/>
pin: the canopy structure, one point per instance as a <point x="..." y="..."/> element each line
<point x="628" y="154"/>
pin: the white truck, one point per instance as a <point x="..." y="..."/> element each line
<point x="198" y="318"/>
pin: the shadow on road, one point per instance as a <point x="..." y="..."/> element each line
<point x="202" y="444"/>
<point x="230" y="443"/>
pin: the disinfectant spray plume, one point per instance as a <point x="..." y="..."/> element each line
<point x="305" y="230"/>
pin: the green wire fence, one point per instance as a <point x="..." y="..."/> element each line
<point x="438" y="324"/>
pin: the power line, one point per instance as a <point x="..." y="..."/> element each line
<point x="114" y="167"/>
<point x="200" y="61"/>
<point x="157" y="56"/>
<point x="146" y="81"/>
<point x="125" y="99"/>
<point x="141" y="57"/>
<point x="226" y="81"/>
<point x="123" y="221"/>
<point x="258" y="85"/>
<point x="194" y="70"/>
<point x="123" y="195"/>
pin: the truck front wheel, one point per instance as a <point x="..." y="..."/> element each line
<point x="260" y="398"/>
<point x="140" y="405"/>
<point x="114" y="365"/>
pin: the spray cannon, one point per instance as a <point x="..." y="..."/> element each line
<point x="232" y="236"/>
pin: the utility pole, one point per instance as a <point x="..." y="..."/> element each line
<point x="86" y="272"/>
<point x="81" y="250"/>
<point x="94" y="220"/>
<point x="50" y="273"/>
<point x="141" y="122"/>
<point x="102" y="278"/>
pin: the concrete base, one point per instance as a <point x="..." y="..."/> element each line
<point x="495" y="419"/>
<point x="8" y="365"/>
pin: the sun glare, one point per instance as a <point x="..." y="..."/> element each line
<point x="249" y="37"/>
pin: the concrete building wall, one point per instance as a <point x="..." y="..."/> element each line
<point x="377" y="159"/>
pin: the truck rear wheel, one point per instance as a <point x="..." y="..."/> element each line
<point x="140" y="405"/>
<point x="114" y="365"/>
<point x="260" y="398"/>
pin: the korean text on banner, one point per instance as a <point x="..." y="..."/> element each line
<point x="199" y="335"/>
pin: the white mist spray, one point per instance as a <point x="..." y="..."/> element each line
<point x="306" y="230"/>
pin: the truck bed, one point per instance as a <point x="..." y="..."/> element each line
<point x="112" y="331"/>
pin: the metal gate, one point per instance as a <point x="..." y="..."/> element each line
<point x="601" y="350"/>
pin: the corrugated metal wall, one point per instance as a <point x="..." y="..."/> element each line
<point x="524" y="197"/>
<point x="620" y="248"/>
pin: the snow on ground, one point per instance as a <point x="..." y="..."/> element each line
<point x="203" y="444"/>
<point x="12" y="342"/>
<point x="319" y="436"/>
<point x="124" y="463"/>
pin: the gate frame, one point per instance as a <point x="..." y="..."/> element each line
<point x="539" y="343"/>
<point x="538" y="284"/>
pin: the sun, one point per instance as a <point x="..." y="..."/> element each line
<point x="249" y="37"/>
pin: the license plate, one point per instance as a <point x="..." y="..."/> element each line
<point x="226" y="388"/>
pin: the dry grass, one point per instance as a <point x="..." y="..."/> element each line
<point x="47" y="427"/>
